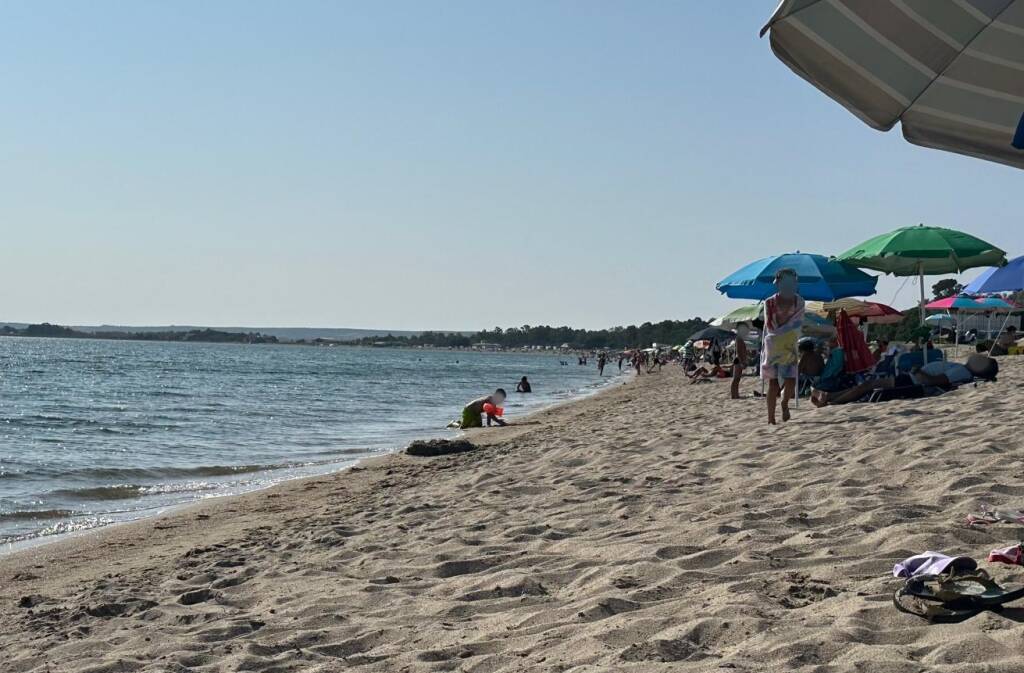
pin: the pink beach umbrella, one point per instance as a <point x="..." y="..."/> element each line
<point x="956" y="305"/>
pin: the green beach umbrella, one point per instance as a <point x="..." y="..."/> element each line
<point x="745" y="314"/>
<point x="923" y="251"/>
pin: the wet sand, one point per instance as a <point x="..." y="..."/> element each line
<point x="654" y="526"/>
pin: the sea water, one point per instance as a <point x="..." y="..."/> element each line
<point x="93" y="432"/>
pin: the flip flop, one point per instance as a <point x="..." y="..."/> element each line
<point x="991" y="516"/>
<point x="953" y="598"/>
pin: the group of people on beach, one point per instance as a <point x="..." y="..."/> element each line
<point x="786" y="358"/>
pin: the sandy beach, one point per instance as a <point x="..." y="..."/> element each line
<point x="655" y="526"/>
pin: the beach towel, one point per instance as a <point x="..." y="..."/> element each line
<point x="779" y="359"/>
<point x="1012" y="555"/>
<point x="857" y="356"/>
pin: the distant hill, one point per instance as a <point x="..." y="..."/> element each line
<point x="284" y="333"/>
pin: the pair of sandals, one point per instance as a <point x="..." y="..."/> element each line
<point x="951" y="597"/>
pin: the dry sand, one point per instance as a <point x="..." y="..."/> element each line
<point x="657" y="526"/>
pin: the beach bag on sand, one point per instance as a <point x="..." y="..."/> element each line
<point x="952" y="597"/>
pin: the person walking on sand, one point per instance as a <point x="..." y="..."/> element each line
<point x="783" y="321"/>
<point x="739" y="362"/>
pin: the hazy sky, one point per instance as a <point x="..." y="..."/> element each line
<point x="432" y="164"/>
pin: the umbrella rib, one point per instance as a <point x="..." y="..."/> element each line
<point x="775" y="17"/>
<point x="959" y="53"/>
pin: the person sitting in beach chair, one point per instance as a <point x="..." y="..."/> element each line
<point x="811" y="364"/>
<point x="1004" y="341"/>
<point x="937" y="377"/>
<point x="489" y="405"/>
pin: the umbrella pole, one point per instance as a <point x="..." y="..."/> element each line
<point x="993" y="344"/>
<point x="956" y="339"/>
<point x="920" y="278"/>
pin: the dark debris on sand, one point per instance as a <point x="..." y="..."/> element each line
<point x="439" y="447"/>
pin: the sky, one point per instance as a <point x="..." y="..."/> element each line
<point x="441" y="165"/>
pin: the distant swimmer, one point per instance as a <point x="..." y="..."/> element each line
<point x="602" y="360"/>
<point x="523" y="386"/>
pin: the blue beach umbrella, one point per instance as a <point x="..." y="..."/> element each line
<point x="1009" y="278"/>
<point x="820" y="278"/>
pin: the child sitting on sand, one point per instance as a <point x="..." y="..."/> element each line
<point x="471" y="413"/>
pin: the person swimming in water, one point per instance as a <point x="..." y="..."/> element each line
<point x="472" y="412"/>
<point x="523" y="386"/>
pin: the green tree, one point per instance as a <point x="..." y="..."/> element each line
<point x="947" y="287"/>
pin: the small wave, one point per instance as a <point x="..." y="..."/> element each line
<point x="130" y="475"/>
<point x="36" y="514"/>
<point x="130" y="491"/>
<point x="59" y="528"/>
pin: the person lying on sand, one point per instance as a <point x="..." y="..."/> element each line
<point x="472" y="412"/>
<point x="944" y="375"/>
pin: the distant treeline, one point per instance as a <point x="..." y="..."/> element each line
<point x="204" y="335"/>
<point x="668" y="332"/>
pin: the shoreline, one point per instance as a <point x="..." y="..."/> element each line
<point x="155" y="511"/>
<point x="657" y="526"/>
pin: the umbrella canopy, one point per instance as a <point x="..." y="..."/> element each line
<point x="911" y="251"/>
<point x="940" y="319"/>
<point x="920" y="251"/>
<point x="813" y="324"/>
<point x="948" y="70"/>
<point x="856" y="354"/>
<point x="819" y="278"/>
<point x="745" y="314"/>
<point x="872" y="311"/>
<point x="958" y="303"/>
<point x="1009" y="278"/>
<point x="997" y="304"/>
<point x="711" y="333"/>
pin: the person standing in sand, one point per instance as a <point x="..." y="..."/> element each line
<point x="739" y="362"/>
<point x="783" y="322"/>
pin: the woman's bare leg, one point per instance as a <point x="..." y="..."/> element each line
<point x="737" y="373"/>
<point x="788" y="393"/>
<point x="773" y="396"/>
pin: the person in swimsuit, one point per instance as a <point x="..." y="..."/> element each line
<point x="783" y="322"/>
<point x="523" y="386"/>
<point x="740" y="361"/>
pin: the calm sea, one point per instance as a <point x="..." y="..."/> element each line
<point x="94" y="432"/>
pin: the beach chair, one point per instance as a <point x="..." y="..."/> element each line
<point x="906" y="362"/>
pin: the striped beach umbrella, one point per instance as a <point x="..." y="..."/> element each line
<point x="872" y="311"/>
<point x="950" y="71"/>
